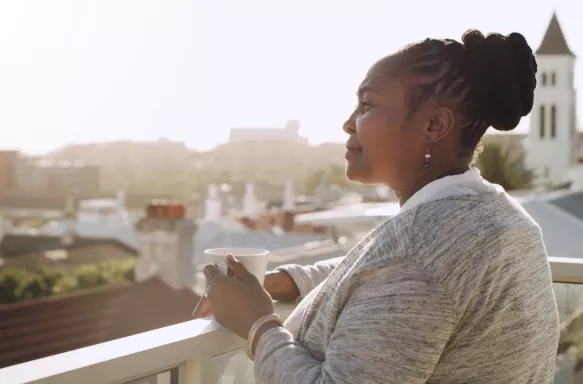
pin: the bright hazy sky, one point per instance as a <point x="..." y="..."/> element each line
<point x="81" y="71"/>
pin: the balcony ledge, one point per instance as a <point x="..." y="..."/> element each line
<point x="189" y="346"/>
<point x="567" y="269"/>
<point x="133" y="357"/>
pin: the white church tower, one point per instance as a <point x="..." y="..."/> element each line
<point x="552" y="140"/>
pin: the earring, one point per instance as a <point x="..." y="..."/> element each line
<point x="427" y="157"/>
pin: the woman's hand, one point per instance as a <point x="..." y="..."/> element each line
<point x="236" y="302"/>
<point x="278" y="284"/>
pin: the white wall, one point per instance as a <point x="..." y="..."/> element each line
<point x="555" y="155"/>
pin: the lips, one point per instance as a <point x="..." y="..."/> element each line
<point x="352" y="152"/>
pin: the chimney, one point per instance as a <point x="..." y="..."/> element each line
<point x="213" y="205"/>
<point x="166" y="240"/>
<point x="120" y="197"/>
<point x="289" y="198"/>
<point x="321" y="194"/>
<point x="250" y="203"/>
<point x="70" y="220"/>
<point x="288" y="207"/>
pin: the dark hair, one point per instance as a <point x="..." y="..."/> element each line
<point x="488" y="80"/>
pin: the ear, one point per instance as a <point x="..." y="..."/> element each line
<point x="440" y="124"/>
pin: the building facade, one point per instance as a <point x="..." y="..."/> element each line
<point x="19" y="173"/>
<point x="290" y="133"/>
<point x="553" y="140"/>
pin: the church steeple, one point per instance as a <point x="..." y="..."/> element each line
<point x="554" y="42"/>
<point x="551" y="145"/>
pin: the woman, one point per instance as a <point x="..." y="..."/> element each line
<point x="454" y="289"/>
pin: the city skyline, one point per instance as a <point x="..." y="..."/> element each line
<point x="188" y="70"/>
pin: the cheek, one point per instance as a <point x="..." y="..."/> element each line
<point x="379" y="136"/>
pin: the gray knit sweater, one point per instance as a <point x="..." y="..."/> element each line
<point x="456" y="290"/>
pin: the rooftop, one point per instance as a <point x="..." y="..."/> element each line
<point x="14" y="200"/>
<point x="43" y="327"/>
<point x="34" y="252"/>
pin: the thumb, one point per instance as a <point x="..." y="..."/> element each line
<point x="239" y="270"/>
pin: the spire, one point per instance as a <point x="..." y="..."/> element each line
<point x="250" y="203"/>
<point x="321" y="193"/>
<point x="289" y="204"/>
<point x="213" y="206"/>
<point x="554" y="42"/>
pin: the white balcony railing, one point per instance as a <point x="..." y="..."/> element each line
<point x="195" y="352"/>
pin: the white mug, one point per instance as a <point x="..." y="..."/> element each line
<point x="254" y="259"/>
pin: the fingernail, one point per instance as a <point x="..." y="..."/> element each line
<point x="231" y="257"/>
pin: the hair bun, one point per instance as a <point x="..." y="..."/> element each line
<point x="503" y="72"/>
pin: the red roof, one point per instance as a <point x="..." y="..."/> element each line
<point x="47" y="326"/>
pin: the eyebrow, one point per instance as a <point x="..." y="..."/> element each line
<point x="364" y="89"/>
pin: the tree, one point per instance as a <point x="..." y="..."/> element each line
<point x="65" y="284"/>
<point x="335" y="175"/>
<point x="9" y="282"/>
<point x="32" y="286"/>
<point x="89" y="276"/>
<point x="503" y="165"/>
<point x="17" y="285"/>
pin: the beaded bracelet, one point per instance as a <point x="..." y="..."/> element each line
<point x="256" y="327"/>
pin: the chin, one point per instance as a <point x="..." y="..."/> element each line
<point x="356" y="173"/>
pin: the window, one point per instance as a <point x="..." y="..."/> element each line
<point x="553" y="79"/>
<point x="542" y="121"/>
<point x="544" y="78"/>
<point x="553" y="121"/>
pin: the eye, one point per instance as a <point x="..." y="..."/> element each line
<point x="364" y="105"/>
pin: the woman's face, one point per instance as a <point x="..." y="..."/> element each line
<point x="384" y="146"/>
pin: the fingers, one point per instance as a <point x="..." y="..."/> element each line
<point x="239" y="270"/>
<point x="211" y="271"/>
<point x="203" y="308"/>
<point x="214" y="278"/>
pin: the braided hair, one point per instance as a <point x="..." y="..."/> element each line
<point x="486" y="80"/>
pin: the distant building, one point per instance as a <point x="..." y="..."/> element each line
<point x="8" y="166"/>
<point x="57" y="176"/>
<point x="251" y="227"/>
<point x="290" y="133"/>
<point x="19" y="173"/>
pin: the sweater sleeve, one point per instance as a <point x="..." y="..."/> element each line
<point x="310" y="276"/>
<point x="392" y="329"/>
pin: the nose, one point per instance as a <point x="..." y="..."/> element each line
<point x="349" y="126"/>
